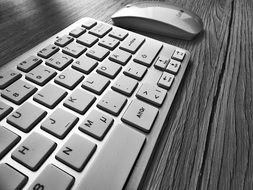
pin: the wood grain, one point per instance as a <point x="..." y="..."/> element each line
<point x="207" y="141"/>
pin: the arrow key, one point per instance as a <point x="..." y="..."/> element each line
<point x="166" y="80"/>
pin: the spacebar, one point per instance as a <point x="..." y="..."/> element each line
<point x="114" y="162"/>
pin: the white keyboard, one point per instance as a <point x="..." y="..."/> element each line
<point x="84" y="109"/>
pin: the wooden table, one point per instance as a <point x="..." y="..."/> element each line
<point x="208" y="140"/>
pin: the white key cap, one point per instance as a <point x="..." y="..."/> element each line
<point x="59" y="61"/>
<point x="100" y="30"/>
<point x="112" y="102"/>
<point x="173" y="66"/>
<point x="120" y="56"/>
<point x="125" y="85"/>
<point x="146" y="54"/>
<point x="166" y="80"/>
<point x="48" y="51"/>
<point x="132" y="43"/>
<point x="96" y="83"/>
<point x="97" y="52"/>
<point x="77" y="31"/>
<point x="161" y="62"/>
<point x="135" y="70"/>
<point x="178" y="54"/>
<point x="74" y="49"/>
<point x="109" y="42"/>
<point x="118" y="33"/>
<point x="8" y="77"/>
<point x="89" y="24"/>
<point x="84" y="64"/>
<point x="109" y="69"/>
<point x="29" y="63"/>
<point x="4" y="110"/>
<point x="110" y="172"/>
<point x="140" y="115"/>
<point x="63" y="41"/>
<point x="152" y="94"/>
<point x="52" y="178"/>
<point x="87" y="39"/>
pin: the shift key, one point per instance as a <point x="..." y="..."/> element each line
<point x="114" y="162"/>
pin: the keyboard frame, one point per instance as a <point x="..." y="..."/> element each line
<point x="139" y="169"/>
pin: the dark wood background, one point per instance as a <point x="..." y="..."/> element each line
<point x="208" y="141"/>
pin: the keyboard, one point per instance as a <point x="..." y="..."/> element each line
<point x="85" y="108"/>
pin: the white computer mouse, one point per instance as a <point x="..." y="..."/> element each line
<point x="159" y="18"/>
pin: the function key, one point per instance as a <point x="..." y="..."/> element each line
<point x="100" y="30"/>
<point x="77" y="32"/>
<point x="178" y="54"/>
<point x="63" y="41"/>
<point x="89" y="24"/>
<point x="166" y="80"/>
<point x="8" y="77"/>
<point x="48" y="51"/>
<point x="118" y="33"/>
<point x="29" y="63"/>
<point x="11" y="178"/>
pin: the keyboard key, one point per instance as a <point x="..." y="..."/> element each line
<point x="50" y="96"/>
<point x="120" y="56"/>
<point x="118" y="33"/>
<point x="125" y="85"/>
<point x="77" y="32"/>
<point x="26" y="117"/>
<point x="69" y="78"/>
<point x="59" y="123"/>
<point x="140" y="115"/>
<point x="8" y="140"/>
<point x="173" y="66"/>
<point x="146" y="55"/>
<point x="74" y="49"/>
<point x="4" y="109"/>
<point x="84" y="64"/>
<point x="63" y="41"/>
<point x="40" y="75"/>
<point x="18" y="92"/>
<point x="166" y="80"/>
<point x="52" y="178"/>
<point x="79" y="101"/>
<point x="112" y="102"/>
<point x="59" y="61"/>
<point x="89" y="24"/>
<point x="109" y="69"/>
<point x="124" y="142"/>
<point x="87" y="39"/>
<point x="76" y="152"/>
<point x="178" y="55"/>
<point x="109" y="42"/>
<point x="97" y="52"/>
<point x="96" y="83"/>
<point x="33" y="151"/>
<point x="30" y="63"/>
<point x="96" y="124"/>
<point x="48" y="51"/>
<point x="8" y="77"/>
<point x="10" y="178"/>
<point x="100" y="30"/>
<point x="132" y="43"/>
<point x="161" y="62"/>
<point x="135" y="70"/>
<point x="152" y="94"/>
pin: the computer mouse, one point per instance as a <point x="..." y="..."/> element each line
<point x="159" y="18"/>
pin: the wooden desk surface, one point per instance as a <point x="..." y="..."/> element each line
<point x="208" y="140"/>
